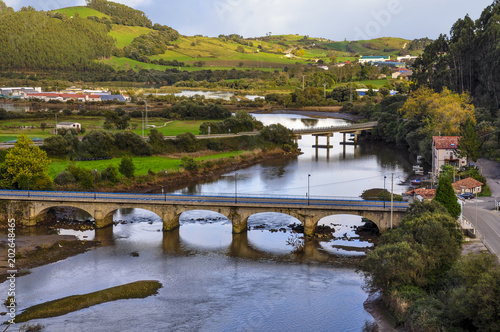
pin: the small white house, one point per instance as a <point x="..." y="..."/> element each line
<point x="69" y="125"/>
<point x="468" y="185"/>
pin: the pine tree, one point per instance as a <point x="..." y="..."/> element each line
<point x="469" y="145"/>
<point x="445" y="194"/>
<point x="127" y="167"/>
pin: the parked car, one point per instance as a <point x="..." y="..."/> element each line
<point x="466" y="195"/>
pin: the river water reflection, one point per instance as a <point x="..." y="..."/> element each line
<point x="268" y="279"/>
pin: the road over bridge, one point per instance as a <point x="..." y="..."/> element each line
<point x="29" y="208"/>
<point x="353" y="129"/>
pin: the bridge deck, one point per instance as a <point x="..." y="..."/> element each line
<point x="337" y="129"/>
<point x="207" y="200"/>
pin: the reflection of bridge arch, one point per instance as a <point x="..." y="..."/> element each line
<point x="349" y="215"/>
<point x="240" y="247"/>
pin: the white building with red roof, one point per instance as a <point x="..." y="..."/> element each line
<point x="468" y="185"/>
<point x="444" y="153"/>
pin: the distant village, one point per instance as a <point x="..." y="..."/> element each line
<point x="69" y="95"/>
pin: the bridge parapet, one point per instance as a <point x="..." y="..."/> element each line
<point x="29" y="211"/>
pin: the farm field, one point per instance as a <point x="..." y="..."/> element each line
<point x="142" y="164"/>
<point x="82" y="11"/>
<point x="164" y="126"/>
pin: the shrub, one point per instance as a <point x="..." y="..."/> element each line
<point x="110" y="174"/>
<point x="127" y="167"/>
<point x="189" y="164"/>
<point x="64" y="178"/>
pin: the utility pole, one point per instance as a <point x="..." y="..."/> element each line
<point x="56" y="123"/>
<point x="308" y="190"/>
<point x="324" y="89"/>
<point x="350" y="98"/>
<point x="146" y="114"/>
<point x="303" y="83"/>
<point x="142" y="124"/>
<point x="392" y="197"/>
<point x="165" y="185"/>
<point x="235" y="187"/>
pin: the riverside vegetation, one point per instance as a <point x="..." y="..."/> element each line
<point x="185" y="158"/>
<point x="427" y="284"/>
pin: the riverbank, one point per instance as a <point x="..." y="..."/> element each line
<point x="34" y="251"/>
<point x="207" y="170"/>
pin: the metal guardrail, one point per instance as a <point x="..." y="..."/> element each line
<point x="219" y="198"/>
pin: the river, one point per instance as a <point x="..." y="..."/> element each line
<point x="216" y="281"/>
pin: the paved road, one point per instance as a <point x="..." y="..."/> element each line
<point x="240" y="200"/>
<point x="488" y="220"/>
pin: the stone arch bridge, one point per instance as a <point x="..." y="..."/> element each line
<point x="30" y="210"/>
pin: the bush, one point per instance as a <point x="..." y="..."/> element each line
<point x="189" y="164"/>
<point x="186" y="142"/>
<point x="83" y="176"/>
<point x="127" y="167"/>
<point x="110" y="174"/>
<point x="64" y="178"/>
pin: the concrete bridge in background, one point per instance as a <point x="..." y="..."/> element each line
<point x="30" y="208"/>
<point x="354" y="129"/>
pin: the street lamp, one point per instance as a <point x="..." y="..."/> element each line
<point x="236" y="187"/>
<point x="142" y="124"/>
<point x="29" y="171"/>
<point x="308" y="190"/>
<point x="95" y="190"/>
<point x="146" y="114"/>
<point x="165" y="184"/>
<point x="385" y="177"/>
<point x="475" y="229"/>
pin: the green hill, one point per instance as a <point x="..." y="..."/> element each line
<point x="124" y="38"/>
<point x="81" y="11"/>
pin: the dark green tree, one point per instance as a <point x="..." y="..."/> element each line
<point x="156" y="141"/>
<point x="98" y="143"/>
<point x="55" y="146"/>
<point x="445" y="194"/>
<point x="110" y="174"/>
<point x="469" y="144"/>
<point x="127" y="167"/>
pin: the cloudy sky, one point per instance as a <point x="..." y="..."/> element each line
<point x="334" y="19"/>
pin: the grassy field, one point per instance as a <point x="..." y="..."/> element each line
<point x="81" y="10"/>
<point x="219" y="53"/>
<point x="9" y="129"/>
<point x="173" y="128"/>
<point x="124" y="35"/>
<point x="142" y="164"/>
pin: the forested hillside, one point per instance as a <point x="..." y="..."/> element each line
<point x="467" y="60"/>
<point x="33" y="41"/>
<point x="121" y="14"/>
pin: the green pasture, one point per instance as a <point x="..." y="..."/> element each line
<point x="81" y="10"/>
<point x="172" y="128"/>
<point x="142" y="164"/>
<point x="124" y="35"/>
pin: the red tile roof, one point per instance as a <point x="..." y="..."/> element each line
<point x="445" y="142"/>
<point x="469" y="183"/>
<point x="425" y="193"/>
